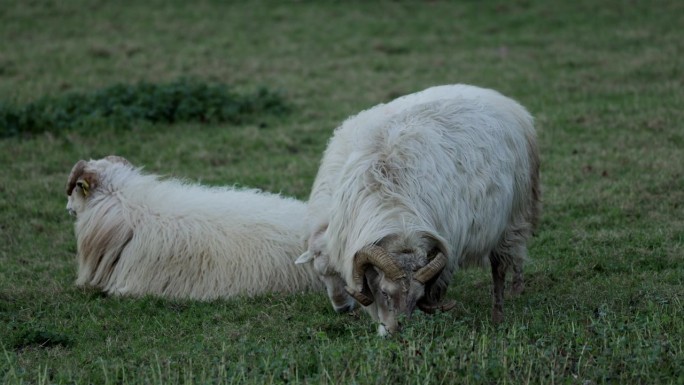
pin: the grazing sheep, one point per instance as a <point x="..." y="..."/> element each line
<point x="138" y="234"/>
<point x="409" y="191"/>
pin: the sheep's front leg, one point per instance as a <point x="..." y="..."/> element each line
<point x="499" y="279"/>
<point x="518" y="281"/>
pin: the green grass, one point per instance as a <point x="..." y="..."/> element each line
<point x="603" y="303"/>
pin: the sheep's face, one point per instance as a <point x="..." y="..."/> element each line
<point x="80" y="185"/>
<point x="76" y="201"/>
<point x="334" y="284"/>
<point x="391" y="278"/>
<point x="396" y="299"/>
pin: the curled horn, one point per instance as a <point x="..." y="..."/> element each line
<point x="364" y="258"/>
<point x="364" y="297"/>
<point x="432" y="269"/>
<point x="76" y="173"/>
<point x="431" y="309"/>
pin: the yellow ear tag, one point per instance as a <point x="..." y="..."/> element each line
<point x="85" y="186"/>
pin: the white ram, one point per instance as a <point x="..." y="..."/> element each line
<point x="409" y="191"/>
<point x="138" y="234"/>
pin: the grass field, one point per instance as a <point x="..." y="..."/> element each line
<point x="604" y="301"/>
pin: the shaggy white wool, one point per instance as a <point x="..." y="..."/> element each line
<point x="456" y="162"/>
<point x="138" y="234"/>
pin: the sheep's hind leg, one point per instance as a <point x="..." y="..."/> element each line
<point x="510" y="253"/>
<point x="499" y="278"/>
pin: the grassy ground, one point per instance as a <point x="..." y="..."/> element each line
<point x="605" y="288"/>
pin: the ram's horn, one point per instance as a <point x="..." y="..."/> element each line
<point x="76" y="173"/>
<point x="364" y="297"/>
<point x="371" y="255"/>
<point x="432" y="269"/>
<point x="431" y="309"/>
<point x="378" y="257"/>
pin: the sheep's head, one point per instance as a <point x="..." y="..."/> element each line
<point x="394" y="274"/>
<point x="84" y="180"/>
<point x="334" y="284"/>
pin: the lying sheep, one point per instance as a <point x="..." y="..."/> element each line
<point x="137" y="235"/>
<point x="409" y="191"/>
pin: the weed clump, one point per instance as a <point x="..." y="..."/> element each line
<point x="41" y="339"/>
<point x="122" y="105"/>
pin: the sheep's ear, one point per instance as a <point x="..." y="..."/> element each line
<point x="304" y="258"/>
<point x="84" y="186"/>
<point x="87" y="183"/>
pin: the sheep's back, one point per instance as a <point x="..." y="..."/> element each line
<point x="191" y="241"/>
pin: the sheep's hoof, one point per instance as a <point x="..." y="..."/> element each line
<point x="497" y="316"/>
<point x="517" y="289"/>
